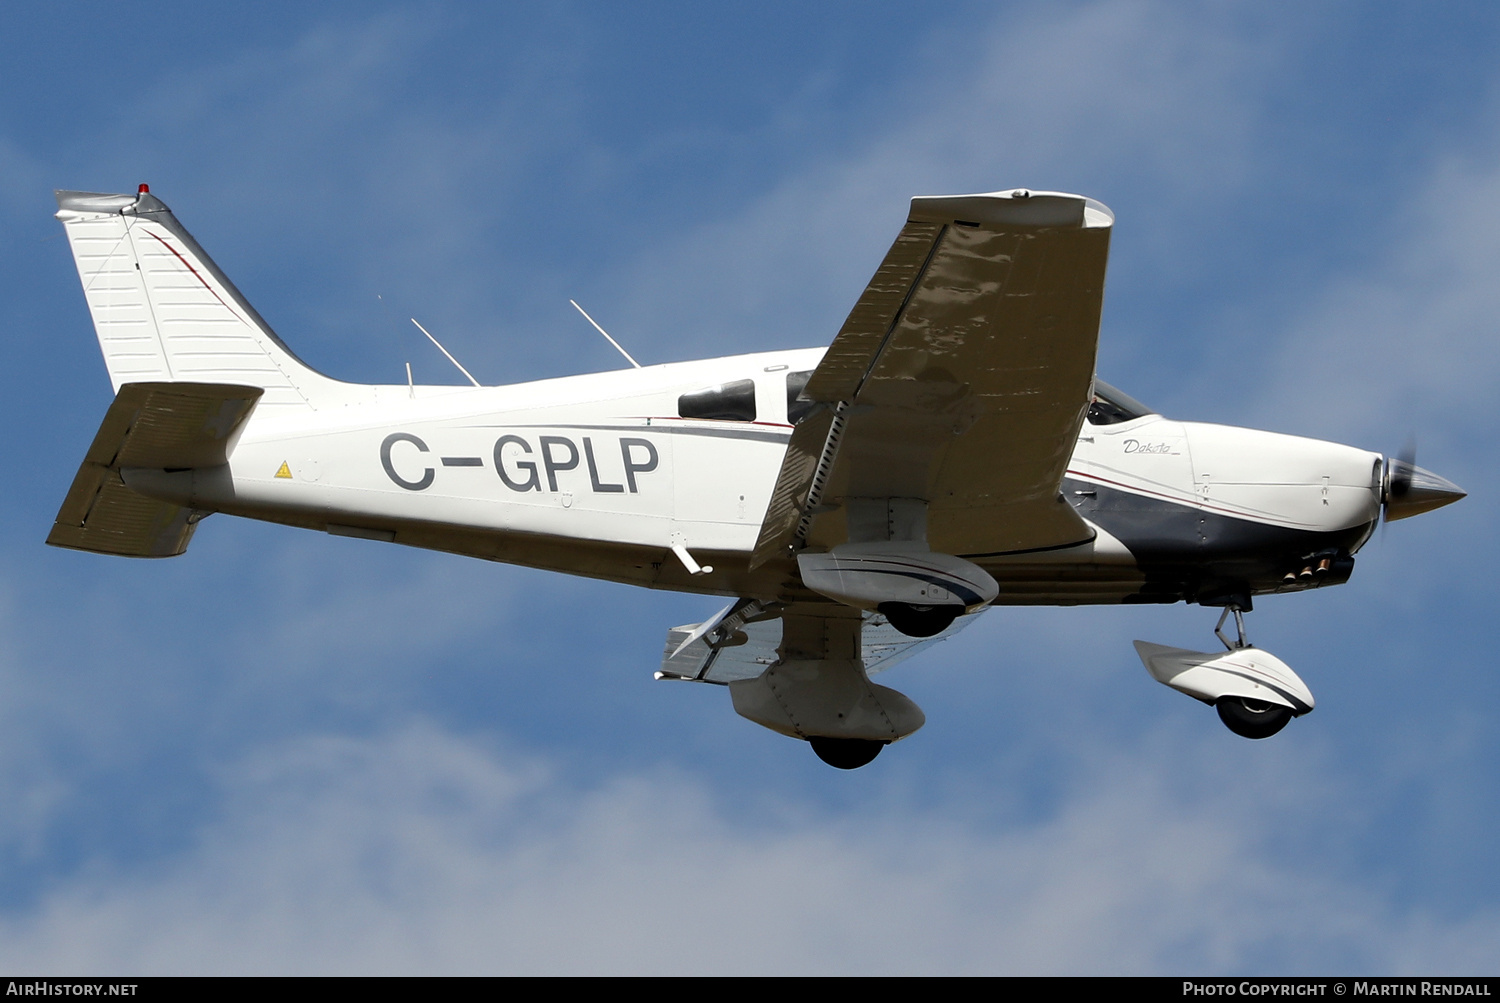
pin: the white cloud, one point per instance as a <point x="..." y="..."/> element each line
<point x="420" y="851"/>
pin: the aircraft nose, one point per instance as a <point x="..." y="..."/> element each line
<point x="1410" y="490"/>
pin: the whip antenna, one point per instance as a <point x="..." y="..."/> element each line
<point x="605" y="333"/>
<point x="445" y="352"/>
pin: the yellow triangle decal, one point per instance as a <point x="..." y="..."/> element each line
<point x="285" y="471"/>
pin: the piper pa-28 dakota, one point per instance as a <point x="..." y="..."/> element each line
<point x="951" y="450"/>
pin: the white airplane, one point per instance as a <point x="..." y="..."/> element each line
<point x="951" y="450"/>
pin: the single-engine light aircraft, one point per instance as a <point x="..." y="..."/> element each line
<point x="951" y="450"/>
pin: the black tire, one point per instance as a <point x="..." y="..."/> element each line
<point x="920" y="621"/>
<point x="1252" y="718"/>
<point x="846" y="753"/>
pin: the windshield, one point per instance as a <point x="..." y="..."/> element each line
<point x="1110" y="406"/>
<point x="797" y="406"/>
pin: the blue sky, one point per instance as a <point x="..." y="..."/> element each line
<point x="284" y="752"/>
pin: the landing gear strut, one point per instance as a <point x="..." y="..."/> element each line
<point x="1239" y="625"/>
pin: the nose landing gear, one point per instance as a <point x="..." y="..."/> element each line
<point x="1246" y="716"/>
<point x="1254" y="692"/>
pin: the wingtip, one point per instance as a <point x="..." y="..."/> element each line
<point x="1024" y="207"/>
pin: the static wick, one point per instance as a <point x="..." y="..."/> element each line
<point x="605" y="333"/>
<point x="440" y="348"/>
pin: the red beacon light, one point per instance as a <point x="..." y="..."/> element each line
<point x="143" y="189"/>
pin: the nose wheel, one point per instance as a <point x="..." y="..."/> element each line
<point x="1249" y="718"/>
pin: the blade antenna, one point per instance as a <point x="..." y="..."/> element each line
<point x="605" y="333"/>
<point x="445" y="352"/>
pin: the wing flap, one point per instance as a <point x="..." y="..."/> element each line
<point x="789" y="498"/>
<point x="158" y="426"/>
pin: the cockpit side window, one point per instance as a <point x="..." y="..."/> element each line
<point x="797" y="407"/>
<point x="725" y="402"/>
<point x="1111" y="407"/>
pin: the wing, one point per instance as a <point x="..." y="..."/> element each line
<point x="698" y="661"/>
<point x="961" y="377"/>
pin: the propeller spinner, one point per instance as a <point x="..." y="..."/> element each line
<point x="1410" y="490"/>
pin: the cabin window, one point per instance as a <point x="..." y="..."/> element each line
<point x="797" y="406"/>
<point x="1111" y="407"/>
<point x="725" y="402"/>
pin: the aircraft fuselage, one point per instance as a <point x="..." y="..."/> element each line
<point x="601" y="474"/>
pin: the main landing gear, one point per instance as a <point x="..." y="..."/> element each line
<point x="1254" y="692"/>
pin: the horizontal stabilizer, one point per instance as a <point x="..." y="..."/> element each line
<point x="154" y="426"/>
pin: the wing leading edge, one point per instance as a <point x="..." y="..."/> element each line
<point x="961" y="378"/>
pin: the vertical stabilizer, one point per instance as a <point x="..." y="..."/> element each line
<point x="165" y="313"/>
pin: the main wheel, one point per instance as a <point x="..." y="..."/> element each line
<point x="845" y="753"/>
<point x="919" y="621"/>
<point x="1252" y="718"/>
